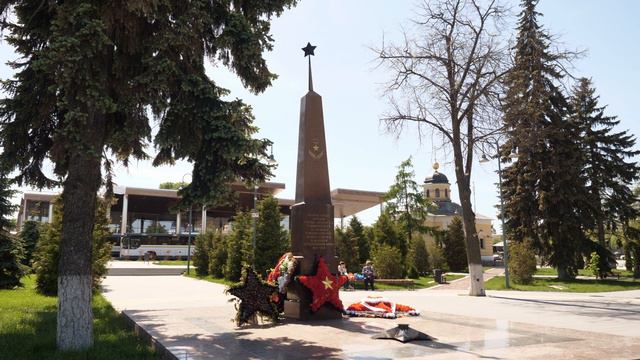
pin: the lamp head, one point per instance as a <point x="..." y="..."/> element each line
<point x="483" y="159"/>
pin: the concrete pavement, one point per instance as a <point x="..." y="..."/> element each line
<point x="193" y="319"/>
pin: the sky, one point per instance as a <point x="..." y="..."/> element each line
<point x="360" y="154"/>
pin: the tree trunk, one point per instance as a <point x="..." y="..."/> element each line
<point x="469" y="221"/>
<point x="75" y="315"/>
<point x="564" y="274"/>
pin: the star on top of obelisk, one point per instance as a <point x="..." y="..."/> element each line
<point x="308" y="51"/>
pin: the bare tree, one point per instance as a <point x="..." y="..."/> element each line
<point x="447" y="80"/>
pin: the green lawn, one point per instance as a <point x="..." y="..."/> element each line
<point x="578" y="285"/>
<point x="421" y="283"/>
<point x="28" y="329"/>
<point x="209" y="278"/>
<point x="172" y="262"/>
<point x="582" y="272"/>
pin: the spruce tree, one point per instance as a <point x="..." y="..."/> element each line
<point x="271" y="236"/>
<point x="88" y="77"/>
<point x="238" y="246"/>
<point x="11" y="252"/>
<point x="218" y="255"/>
<point x="29" y="236"/>
<point x="387" y="232"/>
<point x="362" y="242"/>
<point x="608" y="168"/>
<point x="544" y="189"/>
<point x="418" y="258"/>
<point x="454" y="247"/>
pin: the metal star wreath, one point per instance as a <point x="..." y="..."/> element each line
<point x="255" y="297"/>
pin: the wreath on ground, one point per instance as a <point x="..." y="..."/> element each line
<point x="376" y="306"/>
<point x="254" y="296"/>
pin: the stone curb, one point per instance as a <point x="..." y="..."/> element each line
<point x="148" y="338"/>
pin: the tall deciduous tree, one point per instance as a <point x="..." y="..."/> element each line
<point x="406" y="202"/>
<point x="272" y="239"/>
<point x="544" y="189"/>
<point x="607" y="167"/>
<point x="89" y="75"/>
<point x="446" y="77"/>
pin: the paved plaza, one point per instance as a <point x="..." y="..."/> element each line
<point x="193" y="320"/>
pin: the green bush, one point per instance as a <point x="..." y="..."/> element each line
<point x="218" y="255"/>
<point x="522" y="262"/>
<point x="201" y="251"/>
<point x="387" y="261"/>
<point x="47" y="254"/>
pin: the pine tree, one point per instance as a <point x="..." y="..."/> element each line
<point x="362" y="242"/>
<point x="606" y="168"/>
<point x="29" y="236"/>
<point x="11" y="251"/>
<point x="238" y="247"/>
<point x="271" y="236"/>
<point x="454" y="247"/>
<point x="544" y="189"/>
<point x="218" y="255"/>
<point x="201" y="251"/>
<point x="47" y="254"/>
<point x="86" y="77"/>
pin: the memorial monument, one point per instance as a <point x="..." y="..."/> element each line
<point x="312" y="214"/>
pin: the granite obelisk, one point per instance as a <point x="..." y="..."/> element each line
<point x="312" y="214"/>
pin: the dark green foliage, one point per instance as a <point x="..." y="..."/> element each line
<point x="11" y="248"/>
<point x="386" y="231"/>
<point x="218" y="255"/>
<point x="455" y="250"/>
<point x="11" y="269"/>
<point x="156" y="228"/>
<point x="437" y="260"/>
<point x="362" y="240"/>
<point x="406" y="203"/>
<point x="272" y="239"/>
<point x="594" y="264"/>
<point x="545" y="188"/>
<point x="387" y="262"/>
<point x="347" y="249"/>
<point x="168" y="185"/>
<point x="238" y="247"/>
<point x="522" y="262"/>
<point x="29" y="236"/>
<point x="606" y="166"/>
<point x="201" y="251"/>
<point x="418" y="258"/>
<point x="47" y="254"/>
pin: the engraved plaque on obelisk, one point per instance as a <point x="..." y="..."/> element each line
<point x="312" y="214"/>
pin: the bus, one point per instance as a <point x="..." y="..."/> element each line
<point x="134" y="246"/>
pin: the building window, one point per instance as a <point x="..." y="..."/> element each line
<point x="428" y="193"/>
<point x="437" y="193"/>
<point x="446" y="193"/>
<point x="481" y="243"/>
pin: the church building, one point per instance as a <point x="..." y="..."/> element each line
<point x="438" y="189"/>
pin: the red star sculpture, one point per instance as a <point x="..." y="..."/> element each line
<point x="324" y="286"/>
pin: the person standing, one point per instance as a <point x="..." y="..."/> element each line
<point x="369" y="274"/>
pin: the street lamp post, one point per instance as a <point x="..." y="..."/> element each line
<point x="190" y="227"/>
<point x="254" y="216"/>
<point x="505" y="245"/>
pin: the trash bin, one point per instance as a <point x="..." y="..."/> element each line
<point x="437" y="275"/>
